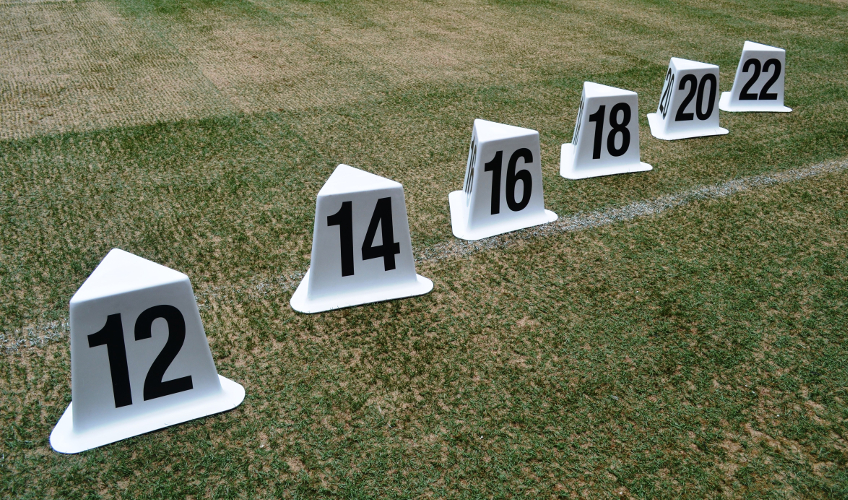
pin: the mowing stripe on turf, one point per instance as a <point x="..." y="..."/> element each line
<point x="57" y="330"/>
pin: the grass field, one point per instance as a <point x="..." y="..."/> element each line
<point x="694" y="351"/>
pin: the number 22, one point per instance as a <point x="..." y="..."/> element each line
<point x="764" y="95"/>
<point x="512" y="178"/>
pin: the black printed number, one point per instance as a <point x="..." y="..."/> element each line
<point x="469" y="169"/>
<point x="388" y="249"/>
<point x="666" y="95"/>
<point x="764" y="94"/>
<point x="154" y="387"/>
<point x="512" y="178"/>
<point x="344" y="219"/>
<point x="112" y="336"/>
<point x="382" y="217"/>
<point x="692" y="80"/>
<point x="618" y="127"/>
<point x="576" y="135"/>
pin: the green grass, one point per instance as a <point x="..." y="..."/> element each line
<point x="699" y="353"/>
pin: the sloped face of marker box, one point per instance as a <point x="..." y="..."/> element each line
<point x="502" y="191"/>
<point x="759" y="82"/>
<point x="140" y="360"/>
<point x="361" y="247"/>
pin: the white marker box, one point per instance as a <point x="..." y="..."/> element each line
<point x="139" y="356"/>
<point x="759" y="81"/>
<point x="361" y="248"/>
<point x="502" y="191"/>
<point x="606" y="135"/>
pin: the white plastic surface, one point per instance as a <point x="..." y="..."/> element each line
<point x="577" y="159"/>
<point x="756" y="70"/>
<point x="123" y="288"/>
<point x="65" y="439"/>
<point x="325" y="286"/>
<point x="685" y="108"/>
<point x="488" y="206"/>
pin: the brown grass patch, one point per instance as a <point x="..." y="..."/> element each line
<point x="303" y="56"/>
<point x="13" y="2"/>
<point x="79" y="66"/>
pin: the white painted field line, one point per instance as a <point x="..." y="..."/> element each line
<point x="34" y="336"/>
<point x="635" y="210"/>
<point x="37" y="336"/>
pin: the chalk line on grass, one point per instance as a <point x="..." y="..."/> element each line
<point x="57" y="330"/>
<point x="635" y="210"/>
<point x="34" y="336"/>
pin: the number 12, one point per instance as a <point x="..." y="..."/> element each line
<point x="112" y="336"/>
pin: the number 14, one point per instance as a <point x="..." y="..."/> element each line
<point x="382" y="216"/>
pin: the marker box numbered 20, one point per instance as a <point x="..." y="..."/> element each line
<point x="688" y="102"/>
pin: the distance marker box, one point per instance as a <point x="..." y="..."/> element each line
<point x="502" y="191"/>
<point x="139" y="356"/>
<point x="361" y="248"/>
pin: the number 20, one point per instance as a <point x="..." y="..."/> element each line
<point x="665" y="100"/>
<point x="112" y="336"/>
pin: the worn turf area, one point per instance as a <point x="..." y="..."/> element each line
<point x="698" y="352"/>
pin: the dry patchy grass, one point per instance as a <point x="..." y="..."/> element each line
<point x="98" y="64"/>
<point x="697" y="353"/>
<point x="694" y="353"/>
<point x="81" y="66"/>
